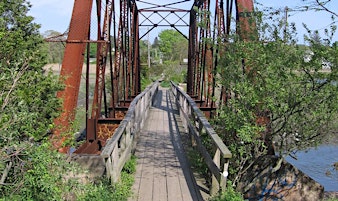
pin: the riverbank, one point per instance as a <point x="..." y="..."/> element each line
<point x="330" y="195"/>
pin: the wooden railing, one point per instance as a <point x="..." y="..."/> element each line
<point x="196" y="124"/>
<point x="119" y="147"/>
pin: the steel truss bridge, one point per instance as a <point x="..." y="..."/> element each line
<point x="117" y="97"/>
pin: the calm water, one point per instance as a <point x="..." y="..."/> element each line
<point x="317" y="163"/>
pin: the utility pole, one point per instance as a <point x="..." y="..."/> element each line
<point x="148" y="50"/>
<point x="286" y="23"/>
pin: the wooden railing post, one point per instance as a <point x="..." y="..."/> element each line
<point x="223" y="182"/>
<point x="214" y="182"/>
<point x="119" y="147"/>
<point x="114" y="174"/>
<point x="196" y="124"/>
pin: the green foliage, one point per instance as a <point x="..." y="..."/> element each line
<point x="173" y="45"/>
<point x="27" y="95"/>
<point x="165" y="84"/>
<point x="276" y="94"/>
<point x="104" y="190"/>
<point x="130" y="166"/>
<point x="55" y="49"/>
<point x="197" y="162"/>
<point x="29" y="168"/>
<point x="230" y="194"/>
<point x="27" y="99"/>
<point x="143" y="52"/>
<point x="174" y="71"/>
<point x="332" y="199"/>
<point x="43" y="175"/>
<point x="47" y="175"/>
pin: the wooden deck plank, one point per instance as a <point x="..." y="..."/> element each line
<point x="160" y="174"/>
<point x="160" y="187"/>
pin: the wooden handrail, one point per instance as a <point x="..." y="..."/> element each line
<point x="119" y="147"/>
<point x="196" y="124"/>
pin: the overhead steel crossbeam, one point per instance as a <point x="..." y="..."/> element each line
<point x="163" y="15"/>
<point x="163" y="6"/>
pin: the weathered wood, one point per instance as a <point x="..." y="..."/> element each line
<point x="196" y="123"/>
<point x="215" y="184"/>
<point x="119" y="147"/>
<point x="161" y="173"/>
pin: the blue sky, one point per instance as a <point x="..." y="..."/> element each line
<point x="56" y="14"/>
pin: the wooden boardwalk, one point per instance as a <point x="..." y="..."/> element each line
<point x="162" y="171"/>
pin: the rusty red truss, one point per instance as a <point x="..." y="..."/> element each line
<point x="116" y="26"/>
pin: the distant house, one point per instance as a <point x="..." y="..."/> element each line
<point x="326" y="65"/>
<point x="308" y="56"/>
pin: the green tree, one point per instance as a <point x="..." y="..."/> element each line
<point x="318" y="5"/>
<point x="29" y="168"/>
<point x="143" y="52"/>
<point x="55" y="49"/>
<point x="275" y="92"/>
<point x="173" y="45"/>
<point x="155" y="43"/>
<point x="27" y="94"/>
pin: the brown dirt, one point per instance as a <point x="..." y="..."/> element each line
<point x="56" y="68"/>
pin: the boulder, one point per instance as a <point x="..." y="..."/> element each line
<point x="273" y="178"/>
<point x="94" y="163"/>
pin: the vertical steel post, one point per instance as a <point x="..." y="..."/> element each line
<point x="72" y="68"/>
<point x="246" y="25"/>
<point x="191" y="54"/>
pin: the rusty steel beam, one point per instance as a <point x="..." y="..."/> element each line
<point x="205" y="49"/>
<point x="119" y="54"/>
<point x="136" y="71"/>
<point x="219" y="39"/>
<point x="204" y="53"/>
<point x="126" y="76"/>
<point x="247" y="31"/>
<point x="161" y="6"/>
<point x="225" y="94"/>
<point x="191" y="54"/>
<point x="245" y="19"/>
<point x="72" y="68"/>
<point x="102" y="52"/>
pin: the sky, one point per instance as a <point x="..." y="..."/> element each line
<point x="55" y="15"/>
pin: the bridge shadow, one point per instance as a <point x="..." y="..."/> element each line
<point x="163" y="172"/>
<point x="174" y="130"/>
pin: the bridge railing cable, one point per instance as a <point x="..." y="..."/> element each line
<point x="119" y="147"/>
<point x="196" y="124"/>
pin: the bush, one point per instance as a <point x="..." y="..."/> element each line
<point x="229" y="195"/>
<point x="48" y="176"/>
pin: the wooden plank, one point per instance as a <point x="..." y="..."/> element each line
<point x="160" y="184"/>
<point x="159" y="174"/>
<point x="173" y="166"/>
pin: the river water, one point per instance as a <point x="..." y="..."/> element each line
<point x="318" y="164"/>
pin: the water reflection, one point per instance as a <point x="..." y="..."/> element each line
<point x="318" y="164"/>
